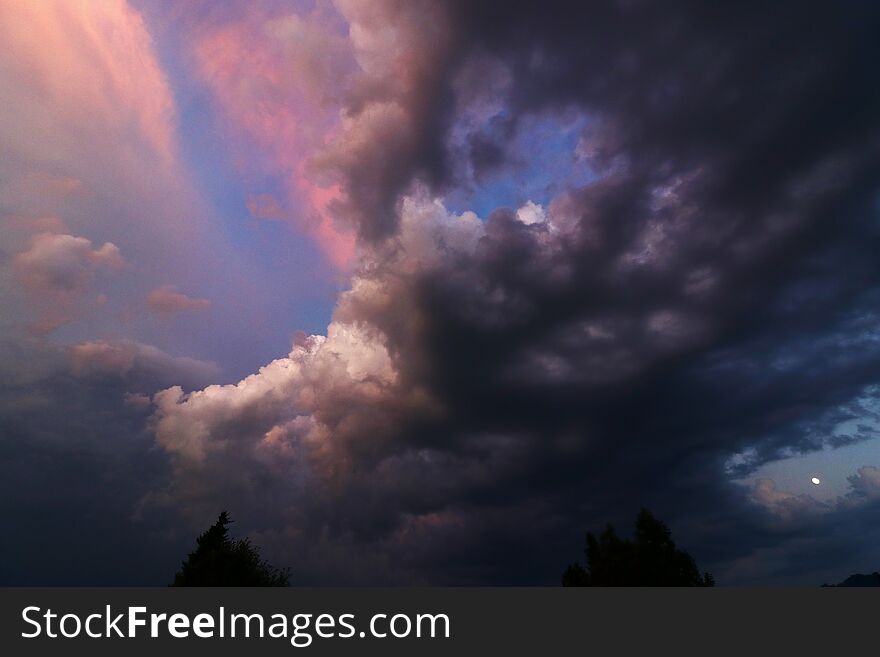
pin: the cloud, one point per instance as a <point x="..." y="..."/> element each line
<point x="57" y="270"/>
<point x="491" y="386"/>
<point x="64" y="263"/>
<point x="108" y="80"/>
<point x="92" y="148"/>
<point x="866" y="483"/>
<point x="395" y="111"/>
<point x="350" y="364"/>
<point x="278" y="79"/>
<point x="265" y="206"/>
<point x="784" y="504"/>
<point x="89" y="138"/>
<point x="166" y="300"/>
<point x="512" y="380"/>
<point x="270" y="77"/>
<point x="78" y="459"/>
<point x="864" y="490"/>
<point x="793" y="534"/>
<point x="126" y="359"/>
<point x="398" y="406"/>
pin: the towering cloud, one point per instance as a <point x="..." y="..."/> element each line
<point x="685" y="290"/>
<point x="508" y="380"/>
<point x="97" y="207"/>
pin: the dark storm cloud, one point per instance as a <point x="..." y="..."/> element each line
<point x="77" y="460"/>
<point x="488" y="390"/>
<point x="728" y="254"/>
<point x="396" y="112"/>
<point x="678" y="83"/>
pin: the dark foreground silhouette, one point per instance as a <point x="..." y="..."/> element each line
<point x="859" y="580"/>
<point x="650" y="559"/>
<point x="221" y="561"/>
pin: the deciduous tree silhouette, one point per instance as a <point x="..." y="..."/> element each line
<point x="221" y="561"/>
<point x="651" y="559"/>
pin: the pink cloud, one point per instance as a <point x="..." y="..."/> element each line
<point x="270" y="77"/>
<point x="128" y="358"/>
<point x="91" y="62"/>
<point x="166" y="300"/>
<point x="57" y="270"/>
<point x="58" y="263"/>
<point x="334" y="100"/>
<point x="90" y="148"/>
<point x="266" y="206"/>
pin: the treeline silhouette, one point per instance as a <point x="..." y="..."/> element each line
<point x="651" y="558"/>
<point x="219" y="560"/>
<point x="858" y="580"/>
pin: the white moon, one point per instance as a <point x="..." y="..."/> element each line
<point x="816" y="481"/>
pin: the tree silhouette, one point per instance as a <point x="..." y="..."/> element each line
<point x="650" y="559"/>
<point x="858" y="580"/>
<point x="221" y="561"/>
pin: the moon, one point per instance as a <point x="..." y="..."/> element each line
<point x="816" y="481"/>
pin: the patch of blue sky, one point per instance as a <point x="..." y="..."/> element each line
<point x="542" y="161"/>
<point x="831" y="465"/>
<point x="284" y="282"/>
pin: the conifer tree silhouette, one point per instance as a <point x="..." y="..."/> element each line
<point x="221" y="561"/>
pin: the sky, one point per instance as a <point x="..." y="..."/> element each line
<point x="422" y="291"/>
